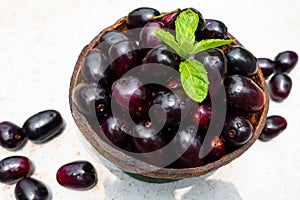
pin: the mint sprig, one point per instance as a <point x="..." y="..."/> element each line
<point x="193" y="75"/>
<point x="194" y="79"/>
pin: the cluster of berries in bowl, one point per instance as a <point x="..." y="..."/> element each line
<point x="171" y="91"/>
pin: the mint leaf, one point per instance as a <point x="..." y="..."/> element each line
<point x="208" y="44"/>
<point x="167" y="38"/>
<point x="194" y="79"/>
<point x="185" y="26"/>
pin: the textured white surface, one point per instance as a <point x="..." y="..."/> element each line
<point x="39" y="44"/>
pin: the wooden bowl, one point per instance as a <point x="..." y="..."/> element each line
<point x="138" y="168"/>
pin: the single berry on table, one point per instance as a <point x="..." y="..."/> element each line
<point x="77" y="175"/>
<point x="12" y="137"/>
<point x="267" y="66"/>
<point x="280" y="86"/>
<point x="14" y="168"/>
<point x="275" y="124"/>
<point x="31" y="188"/>
<point x="286" y="61"/>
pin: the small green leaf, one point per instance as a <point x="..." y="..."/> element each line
<point x="208" y="44"/>
<point x="194" y="79"/>
<point x="185" y="26"/>
<point x="167" y="38"/>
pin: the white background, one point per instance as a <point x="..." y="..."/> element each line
<point x="39" y="45"/>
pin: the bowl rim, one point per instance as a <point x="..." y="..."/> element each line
<point x="132" y="165"/>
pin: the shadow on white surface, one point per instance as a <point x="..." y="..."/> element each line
<point x="192" y="188"/>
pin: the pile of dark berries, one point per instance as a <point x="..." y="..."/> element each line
<point x="121" y="101"/>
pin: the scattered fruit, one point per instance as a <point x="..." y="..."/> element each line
<point x="14" y="168"/>
<point x="286" y="61"/>
<point x="77" y="175"/>
<point x="12" y="137"/>
<point x="29" y="188"/>
<point x="275" y="124"/>
<point x="43" y="126"/>
<point x="280" y="87"/>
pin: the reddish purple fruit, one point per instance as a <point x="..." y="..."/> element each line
<point x="14" y="168"/>
<point x="203" y="116"/>
<point x="266" y="65"/>
<point x="280" y="87"/>
<point x="12" y="137"/>
<point x="286" y="61"/>
<point x="237" y="131"/>
<point x="31" y="189"/>
<point x="213" y="148"/>
<point x="78" y="175"/>
<point x="274" y="126"/>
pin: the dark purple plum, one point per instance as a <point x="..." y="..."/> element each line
<point x="286" y="61"/>
<point x="214" y="29"/>
<point x="148" y="39"/>
<point x="280" y="86"/>
<point x="14" y="168"/>
<point x="140" y="17"/>
<point x="30" y="188"/>
<point x="215" y="148"/>
<point x="115" y="129"/>
<point x="77" y="175"/>
<point x="243" y="94"/>
<point x="267" y="66"/>
<point x="202" y="116"/>
<point x="123" y="56"/>
<point x="240" y="61"/>
<point x="96" y="68"/>
<point x="43" y="126"/>
<point x="12" y="136"/>
<point x="109" y="38"/>
<point x="148" y="138"/>
<point x="275" y="124"/>
<point x="237" y="131"/>
<point x="91" y="100"/>
<point x="189" y="142"/>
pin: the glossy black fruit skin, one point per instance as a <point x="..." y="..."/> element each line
<point x="213" y="59"/>
<point x="160" y="55"/>
<point x="214" y="29"/>
<point x="215" y="147"/>
<point x="14" y="168"/>
<point x="148" y="39"/>
<point x="96" y="68"/>
<point x="123" y="56"/>
<point x="77" y="175"/>
<point x="31" y="189"/>
<point x="240" y="61"/>
<point x="189" y="142"/>
<point x="109" y="38"/>
<point x="243" y="94"/>
<point x="280" y="86"/>
<point x="116" y="128"/>
<point x="237" y="131"/>
<point x="140" y="17"/>
<point x="91" y="100"/>
<point x="12" y="137"/>
<point x="43" y="126"/>
<point x="275" y="124"/>
<point x="267" y="66"/>
<point x="286" y="61"/>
